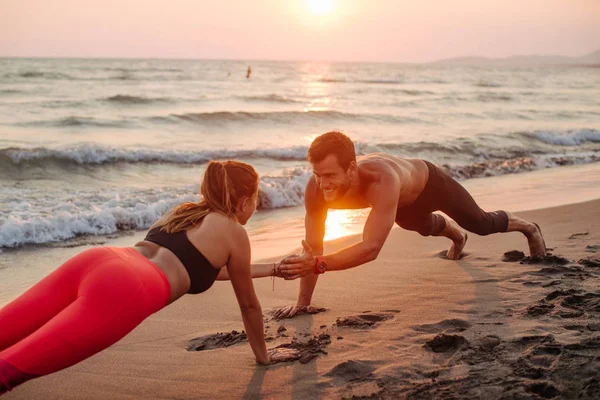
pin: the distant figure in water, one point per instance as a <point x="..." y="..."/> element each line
<point x="249" y="72"/>
<point x="100" y="295"/>
<point x="401" y="191"/>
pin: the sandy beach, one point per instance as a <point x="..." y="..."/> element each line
<point x="408" y="325"/>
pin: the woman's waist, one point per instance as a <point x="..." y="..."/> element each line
<point x="169" y="264"/>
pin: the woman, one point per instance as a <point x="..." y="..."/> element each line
<point x="98" y="296"/>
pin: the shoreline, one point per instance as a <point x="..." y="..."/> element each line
<point x="22" y="267"/>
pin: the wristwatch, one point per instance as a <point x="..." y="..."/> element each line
<point x="320" y="265"/>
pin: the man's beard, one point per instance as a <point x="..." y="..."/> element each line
<point x="340" y="192"/>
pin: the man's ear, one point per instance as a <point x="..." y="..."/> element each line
<point x="352" y="168"/>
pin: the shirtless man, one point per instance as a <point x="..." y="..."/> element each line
<point x="402" y="191"/>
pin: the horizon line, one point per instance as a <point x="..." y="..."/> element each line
<point x="292" y="60"/>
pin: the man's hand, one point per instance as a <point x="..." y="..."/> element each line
<point x="293" y="267"/>
<point x="293" y="310"/>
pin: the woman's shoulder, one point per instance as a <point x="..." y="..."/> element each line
<point x="217" y="222"/>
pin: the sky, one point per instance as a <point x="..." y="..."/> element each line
<point x="316" y="30"/>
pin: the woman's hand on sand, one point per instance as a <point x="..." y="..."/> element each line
<point x="282" y="354"/>
<point x="294" y="267"/>
<point x="293" y="310"/>
<point x="286" y="311"/>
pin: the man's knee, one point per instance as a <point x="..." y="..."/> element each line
<point x="433" y="225"/>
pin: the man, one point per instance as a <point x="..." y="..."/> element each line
<point x="402" y="191"/>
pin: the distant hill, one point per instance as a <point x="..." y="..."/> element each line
<point x="592" y="59"/>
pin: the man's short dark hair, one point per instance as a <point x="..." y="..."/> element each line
<point x="332" y="143"/>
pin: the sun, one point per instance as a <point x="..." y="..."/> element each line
<point x="320" y="7"/>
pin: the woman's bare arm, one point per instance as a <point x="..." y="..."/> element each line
<point x="261" y="270"/>
<point x="239" y="271"/>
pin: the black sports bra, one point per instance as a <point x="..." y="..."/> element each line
<point x="201" y="272"/>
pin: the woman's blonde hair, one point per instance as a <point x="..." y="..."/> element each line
<point x="223" y="185"/>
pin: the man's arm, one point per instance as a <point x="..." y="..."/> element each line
<point x="314" y="222"/>
<point x="379" y="223"/>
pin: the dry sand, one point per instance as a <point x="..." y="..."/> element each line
<point x="408" y="325"/>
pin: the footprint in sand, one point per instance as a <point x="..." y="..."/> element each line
<point x="443" y="343"/>
<point x="578" y="328"/>
<point x="552" y="283"/>
<point x="363" y="320"/>
<point x="544" y="389"/>
<point x="570" y="303"/>
<point x="590" y="389"/>
<point x="590" y="262"/>
<point x="537" y="356"/>
<point x="594" y="326"/>
<point x="545" y="260"/>
<point x="593" y="248"/>
<point x="537" y="310"/>
<point x="309" y="350"/>
<point x="578" y="235"/>
<point x="589" y="302"/>
<point x="488" y="343"/>
<point x="533" y="283"/>
<point x="217" y="341"/>
<point x="547" y="368"/>
<point x="554" y="270"/>
<point x="513" y="256"/>
<point x="445" y="326"/>
<point x="352" y="370"/>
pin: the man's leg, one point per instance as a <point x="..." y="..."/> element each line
<point x="429" y="224"/>
<point x="458" y="204"/>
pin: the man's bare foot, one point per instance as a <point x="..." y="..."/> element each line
<point x="537" y="246"/>
<point x="532" y="231"/>
<point x="456" y="249"/>
<point x="459" y="238"/>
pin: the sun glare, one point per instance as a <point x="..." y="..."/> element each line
<point x="320" y="7"/>
<point x="344" y="222"/>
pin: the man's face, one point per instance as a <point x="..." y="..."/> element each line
<point x="332" y="179"/>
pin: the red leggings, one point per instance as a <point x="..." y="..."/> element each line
<point x="87" y="304"/>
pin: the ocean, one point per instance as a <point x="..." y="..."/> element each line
<point x="100" y="148"/>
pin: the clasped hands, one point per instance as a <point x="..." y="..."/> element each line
<point x="296" y="266"/>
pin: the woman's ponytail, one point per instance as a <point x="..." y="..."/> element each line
<point x="224" y="184"/>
